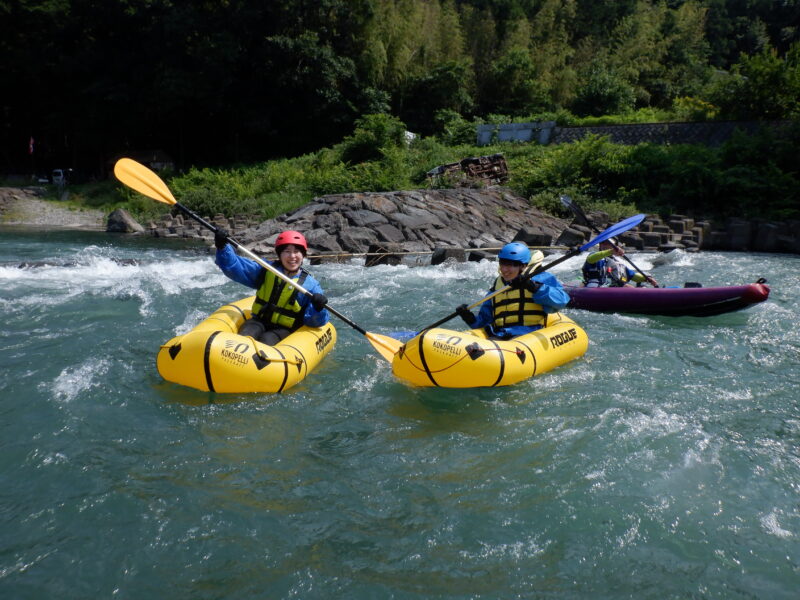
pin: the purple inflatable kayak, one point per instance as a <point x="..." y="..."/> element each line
<point x="671" y="302"/>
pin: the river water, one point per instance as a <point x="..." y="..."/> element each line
<point x="665" y="463"/>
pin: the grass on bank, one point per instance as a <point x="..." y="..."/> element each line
<point x="749" y="176"/>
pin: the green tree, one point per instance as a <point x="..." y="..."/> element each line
<point x="447" y="86"/>
<point x="762" y="86"/>
<point x="552" y="49"/>
<point x="372" y="137"/>
<point x="514" y="87"/>
<point x="686" y="60"/>
<point x="481" y="42"/>
<point x="603" y="92"/>
<point x="638" y="48"/>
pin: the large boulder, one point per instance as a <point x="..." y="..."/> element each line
<point x="121" y="221"/>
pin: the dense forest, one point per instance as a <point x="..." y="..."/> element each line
<point x="242" y="81"/>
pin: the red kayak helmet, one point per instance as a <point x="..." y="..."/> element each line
<point x="291" y="237"/>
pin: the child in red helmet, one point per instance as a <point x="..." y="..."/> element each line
<point x="279" y="309"/>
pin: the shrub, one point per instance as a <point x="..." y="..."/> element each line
<point x="687" y="108"/>
<point x="453" y="129"/>
<point x="373" y="134"/>
<point x="604" y="92"/>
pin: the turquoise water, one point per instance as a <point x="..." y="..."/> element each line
<point x="663" y="464"/>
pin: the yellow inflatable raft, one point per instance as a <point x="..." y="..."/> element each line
<point x="445" y="358"/>
<point x="214" y="357"/>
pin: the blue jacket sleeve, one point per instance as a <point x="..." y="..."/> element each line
<point x="240" y="269"/>
<point x="551" y="294"/>
<point x="485" y="314"/>
<point x="311" y="316"/>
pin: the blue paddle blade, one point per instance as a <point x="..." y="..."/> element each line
<point x="614" y="230"/>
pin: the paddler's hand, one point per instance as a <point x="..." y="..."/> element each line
<point x="465" y="314"/>
<point x="220" y="238"/>
<point x="652" y="281"/>
<point x="528" y="284"/>
<point x="318" y="301"/>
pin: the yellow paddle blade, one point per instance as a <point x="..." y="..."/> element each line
<point x="138" y="177"/>
<point x="386" y="346"/>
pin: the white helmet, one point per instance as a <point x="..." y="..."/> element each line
<point x="536" y="259"/>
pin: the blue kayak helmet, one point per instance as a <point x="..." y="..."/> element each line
<point x="516" y="251"/>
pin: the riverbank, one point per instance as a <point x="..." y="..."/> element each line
<point x="418" y="222"/>
<point x="26" y="207"/>
<point x="426" y="220"/>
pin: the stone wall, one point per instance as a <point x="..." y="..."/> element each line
<point x="711" y="133"/>
<point x="462" y="222"/>
<point x="418" y="221"/>
<point x="687" y="233"/>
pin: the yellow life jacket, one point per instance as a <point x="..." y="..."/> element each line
<point x="276" y="301"/>
<point x="516" y="307"/>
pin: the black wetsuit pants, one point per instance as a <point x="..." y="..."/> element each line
<point x="266" y="334"/>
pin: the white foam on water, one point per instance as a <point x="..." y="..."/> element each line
<point x="366" y="383"/>
<point x="559" y="378"/>
<point x="658" y="423"/>
<point x="193" y="317"/>
<point x="54" y="458"/>
<point x="675" y="258"/>
<point x="73" y="381"/>
<point x="98" y="274"/>
<point x="738" y="394"/>
<point x="516" y="551"/>
<point x="631" y="534"/>
<point x="771" y="525"/>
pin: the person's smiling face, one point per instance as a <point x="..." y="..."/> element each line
<point x="510" y="269"/>
<point x="291" y="257"/>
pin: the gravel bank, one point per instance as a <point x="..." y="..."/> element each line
<point x="24" y="206"/>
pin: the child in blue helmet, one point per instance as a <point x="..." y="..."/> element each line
<point x="525" y="306"/>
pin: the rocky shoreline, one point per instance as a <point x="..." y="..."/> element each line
<point x="428" y="225"/>
<point x="469" y="224"/>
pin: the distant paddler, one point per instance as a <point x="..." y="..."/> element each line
<point x="604" y="268"/>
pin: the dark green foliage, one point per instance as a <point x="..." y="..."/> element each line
<point x="225" y="83"/>
<point x="445" y="87"/>
<point x="513" y="86"/>
<point x="750" y="176"/>
<point x="373" y="137"/>
<point x="453" y="129"/>
<point x="603" y="92"/>
<point x="762" y="86"/>
<point x="761" y="172"/>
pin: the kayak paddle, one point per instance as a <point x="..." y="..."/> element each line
<point x="578" y="212"/>
<point x="620" y="227"/>
<point x="138" y="177"/>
